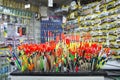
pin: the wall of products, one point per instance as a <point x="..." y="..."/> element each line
<point x="12" y="27"/>
<point x="50" y="28"/>
<point x="100" y="19"/>
<point x="16" y="4"/>
<point x="15" y="12"/>
<point x="5" y="68"/>
<point x="15" y="25"/>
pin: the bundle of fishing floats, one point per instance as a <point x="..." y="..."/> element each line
<point x="68" y="54"/>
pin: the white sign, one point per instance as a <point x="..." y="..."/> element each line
<point x="64" y="19"/>
<point x="50" y="3"/>
<point x="27" y="6"/>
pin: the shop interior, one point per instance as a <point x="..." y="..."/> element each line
<point x="59" y="39"/>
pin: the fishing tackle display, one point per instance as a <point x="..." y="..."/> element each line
<point x="68" y="54"/>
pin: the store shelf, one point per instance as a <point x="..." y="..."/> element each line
<point x="82" y="73"/>
<point x="57" y="78"/>
<point x="101" y="75"/>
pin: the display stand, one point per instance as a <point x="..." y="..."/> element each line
<point x="58" y="76"/>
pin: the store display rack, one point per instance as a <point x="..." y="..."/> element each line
<point x="12" y="20"/>
<point x="15" y="12"/>
<point x="92" y="75"/>
<point x="5" y="68"/>
<point x="50" y="28"/>
<point x="59" y="76"/>
<point x="100" y="19"/>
